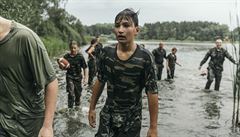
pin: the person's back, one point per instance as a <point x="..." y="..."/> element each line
<point x="23" y="79"/>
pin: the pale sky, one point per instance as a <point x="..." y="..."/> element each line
<point x="104" y="11"/>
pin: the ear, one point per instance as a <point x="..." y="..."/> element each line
<point x="137" y="30"/>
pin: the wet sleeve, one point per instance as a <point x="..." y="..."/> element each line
<point x="229" y="57"/>
<point x="40" y="65"/>
<point x="205" y="58"/>
<point x="102" y="68"/>
<point x="150" y="76"/>
<point x="83" y="63"/>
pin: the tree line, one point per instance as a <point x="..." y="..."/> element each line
<point x="45" y="17"/>
<point x="192" y="31"/>
<point x="56" y="26"/>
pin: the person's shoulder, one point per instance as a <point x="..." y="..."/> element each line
<point x="109" y="47"/>
<point x="67" y="55"/>
<point x="144" y="52"/>
<point x="79" y="54"/>
<point x="22" y="30"/>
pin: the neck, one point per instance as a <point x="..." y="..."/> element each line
<point x="127" y="47"/>
<point x="5" y="26"/>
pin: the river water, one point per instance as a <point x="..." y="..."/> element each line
<point x="185" y="109"/>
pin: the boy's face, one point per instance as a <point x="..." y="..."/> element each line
<point x="125" y="31"/>
<point x="74" y="49"/>
<point x="174" y="51"/>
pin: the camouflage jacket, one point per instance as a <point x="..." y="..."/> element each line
<point x="217" y="58"/>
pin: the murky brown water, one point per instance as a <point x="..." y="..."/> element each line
<point x="185" y="110"/>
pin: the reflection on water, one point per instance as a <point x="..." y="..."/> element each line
<point x="185" y="109"/>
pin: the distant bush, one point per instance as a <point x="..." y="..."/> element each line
<point x="54" y="45"/>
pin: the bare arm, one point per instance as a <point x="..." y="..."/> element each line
<point x="50" y="105"/>
<point x="167" y="64"/>
<point x="97" y="91"/>
<point x="84" y="76"/>
<point x="90" y="51"/>
<point x="153" y="110"/>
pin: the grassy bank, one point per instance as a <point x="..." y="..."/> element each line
<point x="54" y="46"/>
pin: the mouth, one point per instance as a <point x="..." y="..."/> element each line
<point x="121" y="37"/>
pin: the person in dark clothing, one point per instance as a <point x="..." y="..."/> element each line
<point x="74" y="74"/>
<point x="215" y="65"/>
<point x="159" y="55"/>
<point x="98" y="51"/>
<point x="92" y="68"/>
<point x="127" y="68"/>
<point x="171" y="61"/>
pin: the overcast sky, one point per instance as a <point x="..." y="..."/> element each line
<point x="104" y="11"/>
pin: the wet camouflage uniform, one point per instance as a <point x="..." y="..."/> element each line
<point x="121" y="116"/>
<point x="215" y="65"/>
<point x="171" y="64"/>
<point x="92" y="68"/>
<point x="98" y="51"/>
<point x="74" y="78"/>
<point x="159" y="54"/>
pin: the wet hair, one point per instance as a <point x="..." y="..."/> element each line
<point x="94" y="40"/>
<point x="73" y="42"/>
<point x="174" y="49"/>
<point x="128" y="14"/>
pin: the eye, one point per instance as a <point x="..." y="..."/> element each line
<point x="117" y="25"/>
<point x="126" y="25"/>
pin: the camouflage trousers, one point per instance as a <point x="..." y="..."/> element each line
<point x="92" y="71"/>
<point x="3" y="133"/>
<point x="211" y="75"/>
<point x="74" y="89"/>
<point x="117" y="125"/>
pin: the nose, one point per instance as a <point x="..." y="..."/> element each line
<point x="120" y="29"/>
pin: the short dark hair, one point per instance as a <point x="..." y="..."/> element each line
<point x="93" y="41"/>
<point x="73" y="42"/>
<point x="128" y="13"/>
<point x="174" y="49"/>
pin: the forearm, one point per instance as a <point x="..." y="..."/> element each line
<point x="84" y="73"/>
<point x="50" y="103"/>
<point x="97" y="91"/>
<point x="153" y="109"/>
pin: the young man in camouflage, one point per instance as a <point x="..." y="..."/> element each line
<point x="74" y="74"/>
<point x="28" y="84"/>
<point x="159" y="55"/>
<point x="126" y="68"/>
<point x="215" y="65"/>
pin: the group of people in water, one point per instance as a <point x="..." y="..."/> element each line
<point x="29" y="85"/>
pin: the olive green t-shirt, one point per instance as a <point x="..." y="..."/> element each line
<point x="25" y="71"/>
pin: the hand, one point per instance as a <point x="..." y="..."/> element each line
<point x="237" y="63"/>
<point x="46" y="132"/>
<point x="199" y="68"/>
<point x="92" y="118"/>
<point x="152" y="132"/>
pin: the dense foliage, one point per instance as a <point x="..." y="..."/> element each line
<point x="200" y="31"/>
<point x="45" y="17"/>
